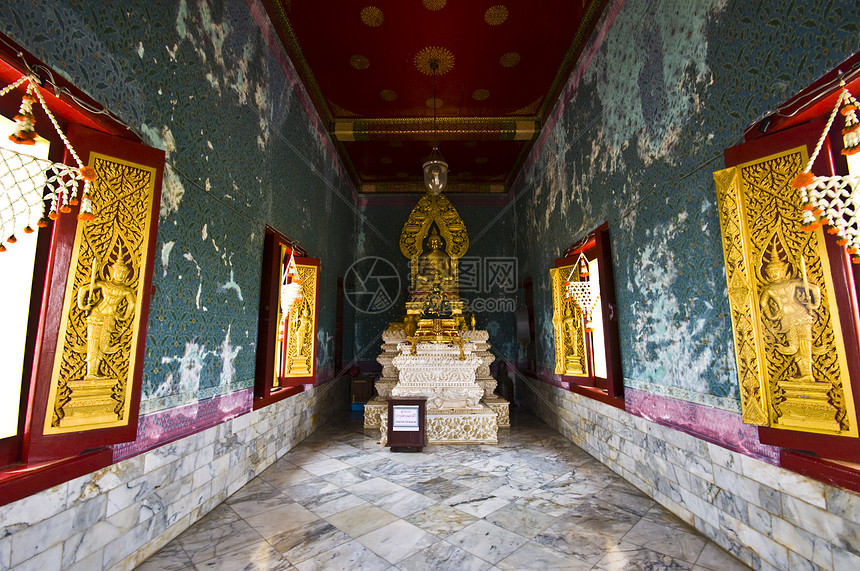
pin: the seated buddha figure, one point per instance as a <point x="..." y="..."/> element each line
<point x="434" y="267"/>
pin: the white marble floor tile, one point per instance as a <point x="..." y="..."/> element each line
<point x="443" y="555"/>
<point x="534" y="501"/>
<point x="332" y="503"/>
<point x="258" y="556"/>
<point x="629" y="557"/>
<point x="715" y="558"/>
<point x="373" y="489"/>
<point x="287" y="517"/>
<point x="397" y="540"/>
<point x="351" y="556"/>
<point x="360" y="520"/>
<point x="308" y="541"/>
<point x="326" y="466"/>
<point x="521" y="520"/>
<point x="535" y="556"/>
<point x="666" y="539"/>
<point x="487" y="541"/>
<point x="477" y="503"/>
<point x="404" y="502"/>
<point x="441" y="519"/>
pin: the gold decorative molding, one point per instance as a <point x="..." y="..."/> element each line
<point x="439" y="210"/>
<point x="514" y="128"/>
<point x="790" y="352"/>
<point x="91" y="383"/>
<point x="453" y="187"/>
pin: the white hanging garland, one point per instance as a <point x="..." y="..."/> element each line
<point x="835" y="200"/>
<point x="22" y="173"/>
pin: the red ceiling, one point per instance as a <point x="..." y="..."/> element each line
<point x="508" y="61"/>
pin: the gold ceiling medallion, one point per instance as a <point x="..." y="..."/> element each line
<point x="480" y="94"/>
<point x="425" y="58"/>
<point x="510" y="59"/>
<point x="359" y="62"/>
<point x="496" y="15"/>
<point x="434" y="5"/>
<point x="388" y="95"/>
<point x="372" y="16"/>
<point x="435" y="103"/>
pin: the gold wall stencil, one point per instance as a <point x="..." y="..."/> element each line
<point x="94" y="366"/>
<point x="791" y="360"/>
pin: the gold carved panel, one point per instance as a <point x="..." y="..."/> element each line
<point x="432" y="209"/>
<point x="300" y="328"/>
<point x="792" y="366"/>
<point x="91" y="383"/>
<point x="568" y="326"/>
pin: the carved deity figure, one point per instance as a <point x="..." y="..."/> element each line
<point x="100" y="300"/>
<point x="302" y="331"/>
<point x="789" y="304"/>
<point x="435" y="266"/>
<point x="570" y="330"/>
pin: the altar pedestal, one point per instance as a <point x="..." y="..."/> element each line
<point x="456" y="411"/>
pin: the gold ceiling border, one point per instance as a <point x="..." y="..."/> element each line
<point x="432" y="209"/>
<point x="789" y="347"/>
<point x="449" y="128"/>
<point x="453" y="187"/>
<point x="595" y="8"/>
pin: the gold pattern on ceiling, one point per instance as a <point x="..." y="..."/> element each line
<point x="388" y="95"/>
<point x="359" y="62"/>
<point x="480" y="94"/>
<point x="510" y="59"/>
<point x="434" y="53"/>
<point x="434" y="5"/>
<point x="372" y="16"/>
<point x="496" y="15"/>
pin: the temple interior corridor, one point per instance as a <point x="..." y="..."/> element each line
<point x="339" y="500"/>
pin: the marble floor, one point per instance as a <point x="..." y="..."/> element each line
<point x="534" y="501"/>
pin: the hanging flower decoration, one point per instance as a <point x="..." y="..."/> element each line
<point x="582" y="291"/>
<point x="291" y="288"/>
<point x="22" y="173"/>
<point x="835" y="200"/>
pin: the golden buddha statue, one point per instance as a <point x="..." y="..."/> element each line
<point x="434" y="267"/>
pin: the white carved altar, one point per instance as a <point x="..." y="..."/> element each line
<point x="461" y="406"/>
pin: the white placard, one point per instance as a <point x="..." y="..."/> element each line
<point x="405" y="418"/>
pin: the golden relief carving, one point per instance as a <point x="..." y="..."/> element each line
<point x="568" y="326"/>
<point x="300" y="336"/>
<point x="790" y="352"/>
<point x="432" y="209"/>
<point x="94" y="365"/>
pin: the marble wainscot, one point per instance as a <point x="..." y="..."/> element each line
<point x="461" y="406"/>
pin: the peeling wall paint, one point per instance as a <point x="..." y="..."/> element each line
<point x="668" y="85"/>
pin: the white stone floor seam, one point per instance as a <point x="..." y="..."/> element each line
<point x="339" y="500"/>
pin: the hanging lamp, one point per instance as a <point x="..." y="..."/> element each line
<point x="435" y="167"/>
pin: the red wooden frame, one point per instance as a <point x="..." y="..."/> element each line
<point x="37" y="446"/>
<point x="596" y="245"/>
<point x="844" y="282"/>
<point x="267" y="332"/>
